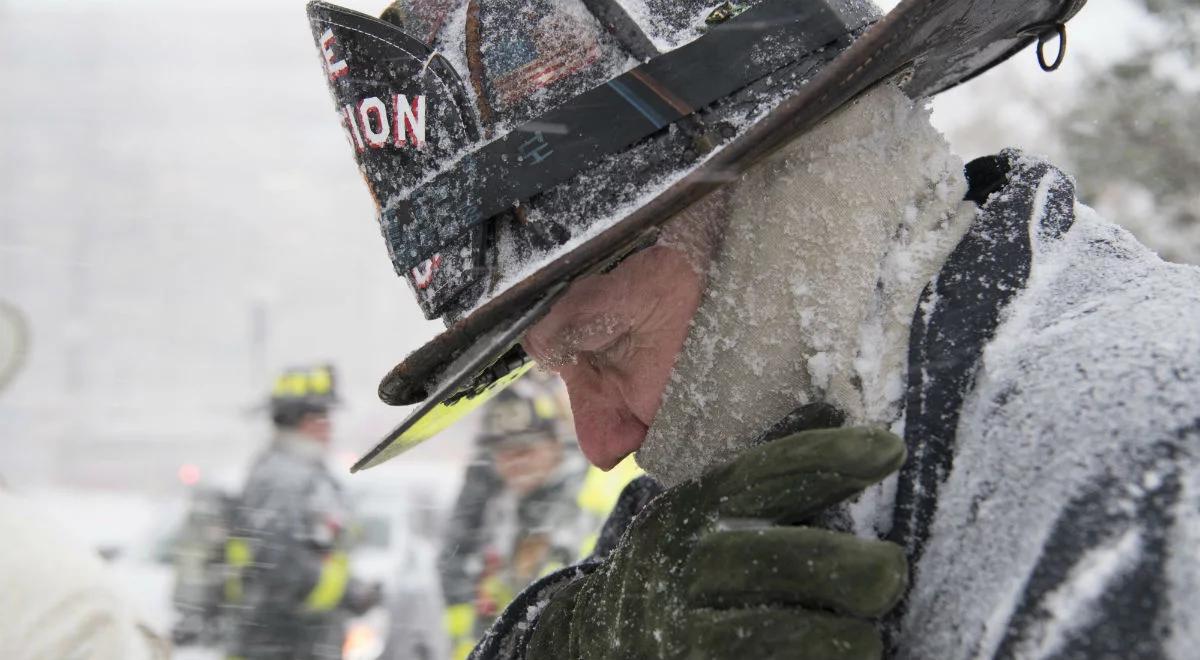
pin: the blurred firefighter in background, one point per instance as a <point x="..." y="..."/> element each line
<point x="529" y="504"/>
<point x="289" y="588"/>
<point x="198" y="555"/>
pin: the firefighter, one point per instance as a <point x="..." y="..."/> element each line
<point x="289" y="585"/>
<point x="529" y="504"/>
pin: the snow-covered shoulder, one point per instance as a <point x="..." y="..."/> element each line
<point x="1063" y="527"/>
<point x="1105" y="339"/>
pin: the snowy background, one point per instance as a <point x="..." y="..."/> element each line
<point x="180" y="217"/>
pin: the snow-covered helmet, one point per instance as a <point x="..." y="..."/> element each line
<point x="300" y="391"/>
<point x="513" y="146"/>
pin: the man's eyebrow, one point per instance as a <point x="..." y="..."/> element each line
<point x="589" y="324"/>
<point x="563" y="345"/>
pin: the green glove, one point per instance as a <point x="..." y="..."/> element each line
<point x="710" y="568"/>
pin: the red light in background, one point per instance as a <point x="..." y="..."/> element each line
<point x="346" y="458"/>
<point x="189" y="475"/>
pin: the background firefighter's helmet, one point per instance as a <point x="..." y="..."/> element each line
<point x="300" y="391"/>
<point x="584" y="126"/>
<point x="525" y="412"/>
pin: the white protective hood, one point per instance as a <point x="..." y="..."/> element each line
<point x="829" y="244"/>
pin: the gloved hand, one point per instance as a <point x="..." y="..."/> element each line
<point x="711" y="569"/>
<point x="362" y="596"/>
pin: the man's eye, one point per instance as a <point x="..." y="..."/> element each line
<point x="613" y="353"/>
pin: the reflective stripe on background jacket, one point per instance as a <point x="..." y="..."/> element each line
<point x="1050" y="503"/>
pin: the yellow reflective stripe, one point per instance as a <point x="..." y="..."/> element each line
<point x="497" y="591"/>
<point x="459" y="620"/>
<point x="444" y="414"/>
<point x="238" y="552"/>
<point x="550" y="567"/>
<point x="238" y="556"/>
<point x="588" y="544"/>
<point x="233" y="589"/>
<point x="600" y="489"/>
<point x="290" y="384"/>
<point x="331" y="584"/>
<point x="545" y="407"/>
<point x="320" y="381"/>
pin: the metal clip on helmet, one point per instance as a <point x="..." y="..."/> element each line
<point x="583" y="126"/>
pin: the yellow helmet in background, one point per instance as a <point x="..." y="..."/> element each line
<point x="529" y="411"/>
<point x="299" y="391"/>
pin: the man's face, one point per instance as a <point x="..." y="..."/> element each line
<point x="316" y="426"/>
<point x="613" y="338"/>
<point x="526" y="465"/>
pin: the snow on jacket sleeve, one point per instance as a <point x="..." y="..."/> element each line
<point x="1061" y="515"/>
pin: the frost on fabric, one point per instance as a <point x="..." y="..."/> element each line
<point x="452" y="45"/>
<point x="516" y="266"/>
<point x="1070" y="605"/>
<point x="828" y="246"/>
<point x="1184" y="569"/>
<point x="1075" y="464"/>
<point x="614" y="187"/>
<point x="670" y="23"/>
<point x="573" y="51"/>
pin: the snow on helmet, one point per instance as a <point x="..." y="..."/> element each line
<point x="513" y="146"/>
<point x="301" y="391"/>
